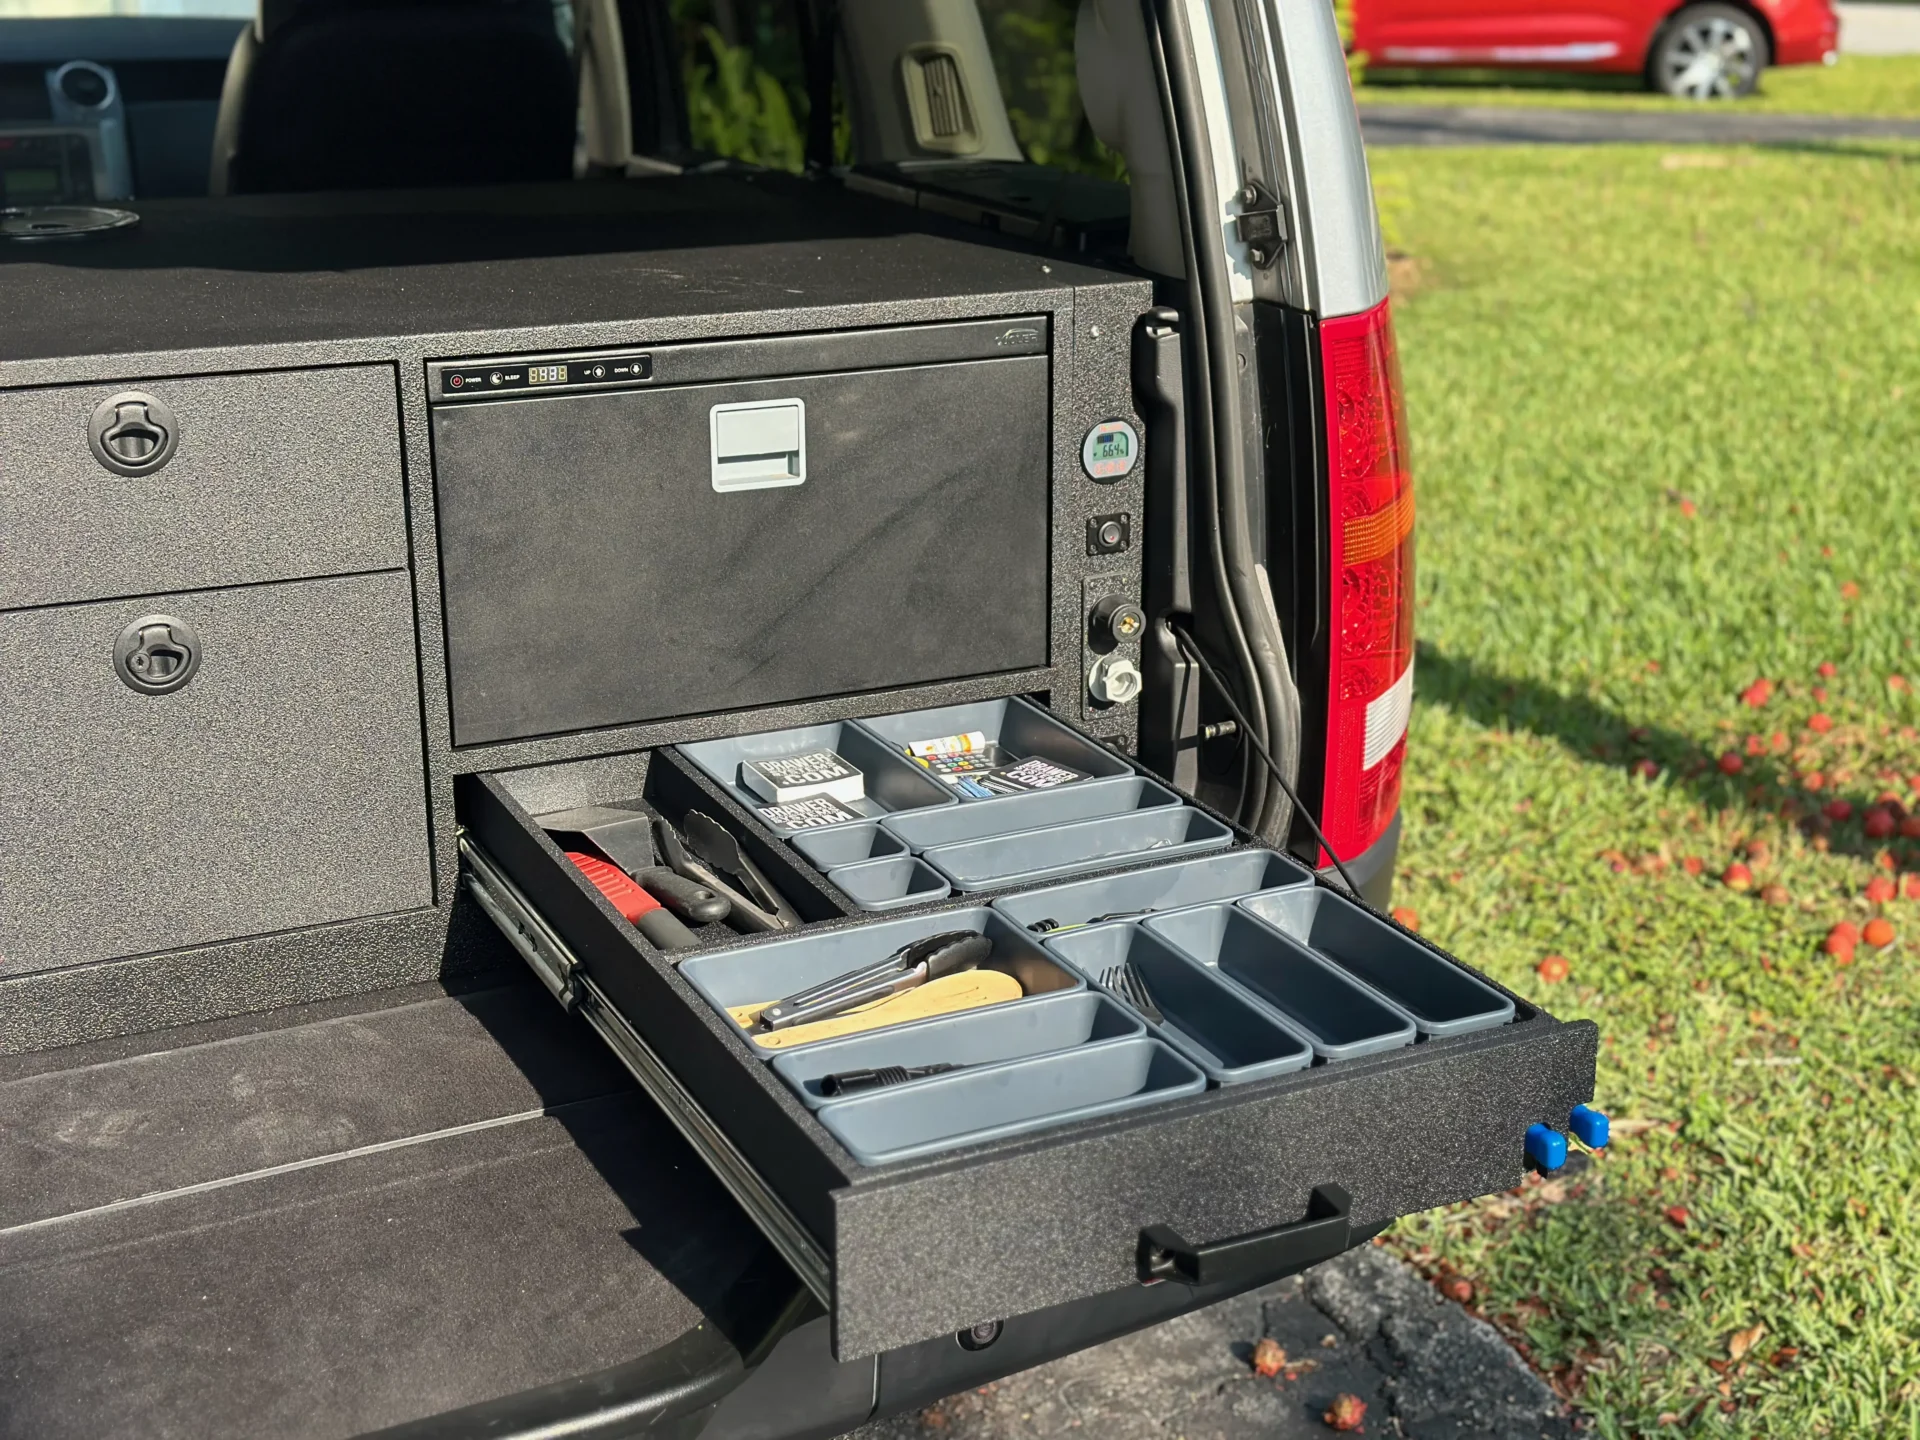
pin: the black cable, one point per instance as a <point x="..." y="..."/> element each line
<point x="1191" y="649"/>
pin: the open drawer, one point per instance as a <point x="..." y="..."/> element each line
<point x="959" y="1197"/>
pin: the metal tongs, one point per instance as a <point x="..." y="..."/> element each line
<point x="915" y="964"/>
<point x="718" y="862"/>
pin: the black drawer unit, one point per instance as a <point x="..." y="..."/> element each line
<point x="873" y="514"/>
<point x="1291" y="1167"/>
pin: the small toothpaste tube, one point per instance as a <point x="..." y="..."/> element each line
<point x="947" y="745"/>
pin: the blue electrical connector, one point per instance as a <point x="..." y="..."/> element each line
<point x="1590" y="1125"/>
<point x="1546" y="1147"/>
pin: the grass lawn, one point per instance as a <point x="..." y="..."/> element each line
<point x="1666" y="415"/>
<point x="1857" y="85"/>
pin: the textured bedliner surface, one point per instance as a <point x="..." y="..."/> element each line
<point x="342" y="1224"/>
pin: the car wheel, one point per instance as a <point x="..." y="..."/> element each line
<point x="1709" y="52"/>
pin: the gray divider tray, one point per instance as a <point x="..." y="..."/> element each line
<point x="1034" y="855"/>
<point x="891" y="884"/>
<point x="1211" y="1021"/>
<point x="893" y="782"/>
<point x="923" y="830"/>
<point x="989" y="1104"/>
<point x="1021" y="729"/>
<point x="767" y="970"/>
<point x="1442" y="998"/>
<point x="998" y="1033"/>
<point x="1163" y="887"/>
<point x="851" y="844"/>
<point x="1342" y="1017"/>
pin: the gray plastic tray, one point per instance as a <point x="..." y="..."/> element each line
<point x="1020" y="728"/>
<point x="972" y="1106"/>
<point x="893" y="782"/>
<point x="923" y="830"/>
<point x="973" y="1037"/>
<point x="769" y="969"/>
<point x="1208" y="1019"/>
<point x="1163" y="887"/>
<point x="850" y="844"/>
<point x="1342" y="1017"/>
<point x="1442" y="998"/>
<point x="891" y="884"/>
<point x="1036" y="855"/>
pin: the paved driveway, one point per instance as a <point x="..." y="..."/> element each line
<point x="1364" y="1325"/>
<point x="1513" y="125"/>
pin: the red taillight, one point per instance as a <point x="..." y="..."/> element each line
<point x="1370" y="644"/>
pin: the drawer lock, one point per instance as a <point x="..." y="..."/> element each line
<point x="1263" y="1255"/>
<point x="157" y="654"/>
<point x="132" y="433"/>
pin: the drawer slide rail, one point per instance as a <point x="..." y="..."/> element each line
<point x="561" y="972"/>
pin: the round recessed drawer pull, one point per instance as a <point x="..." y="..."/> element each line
<point x="157" y="654"/>
<point x="132" y="433"/>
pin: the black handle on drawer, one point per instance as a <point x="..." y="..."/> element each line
<point x="1322" y="1235"/>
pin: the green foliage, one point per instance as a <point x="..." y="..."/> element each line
<point x="1356" y="59"/>
<point x="1857" y="85"/>
<point x="1032" y="45"/>
<point x="1663" y="408"/>
<point x="746" y="98"/>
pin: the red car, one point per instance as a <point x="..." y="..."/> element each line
<point x="1710" y="51"/>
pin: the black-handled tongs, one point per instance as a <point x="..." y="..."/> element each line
<point x="718" y="862"/>
<point x="910" y="965"/>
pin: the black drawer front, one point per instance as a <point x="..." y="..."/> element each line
<point x="281" y="786"/>
<point x="926" y="1247"/>
<point x="597" y="570"/>
<point x="269" y="476"/>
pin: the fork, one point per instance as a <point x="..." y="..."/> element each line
<point x="1126" y="981"/>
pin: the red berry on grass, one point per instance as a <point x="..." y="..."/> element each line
<point x="1758" y="693"/>
<point x="1678" y="1215"/>
<point x="1849" y="590"/>
<point x="1458" y="1289"/>
<point x="1846" y="933"/>
<point x="1731" y="763"/>
<point x="1880" y="889"/>
<point x="1643" y="769"/>
<point x="1912" y="887"/>
<point x="1879" y="823"/>
<point x="1693" y="865"/>
<point x="1737" y="877"/>
<point x="1820" y="693"/>
<point x="1813" y="780"/>
<point x="1826" y="669"/>
<point x="1837" y="810"/>
<point x="1878" y="932"/>
<point x="1552" y="969"/>
<point x="1819" y="722"/>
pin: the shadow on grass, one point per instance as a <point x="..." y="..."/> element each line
<point x="1766" y="784"/>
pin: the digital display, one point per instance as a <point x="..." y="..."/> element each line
<point x="546" y="375"/>
<point x="1111" y="446"/>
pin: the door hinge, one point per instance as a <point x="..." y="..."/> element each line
<point x="1261" y="225"/>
